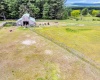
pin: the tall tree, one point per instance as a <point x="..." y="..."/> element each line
<point x="3" y="7"/>
<point x="85" y="11"/>
<point x="46" y="8"/>
<point x="33" y="10"/>
<point x="56" y="7"/>
<point x="13" y="8"/>
<point x="22" y="10"/>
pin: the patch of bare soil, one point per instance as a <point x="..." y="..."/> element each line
<point x="28" y="42"/>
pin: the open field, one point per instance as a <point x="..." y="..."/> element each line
<point x="24" y="55"/>
<point x="86" y="21"/>
<point x="77" y="35"/>
<point x="84" y="39"/>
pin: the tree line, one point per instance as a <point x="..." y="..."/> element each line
<point x="42" y="9"/>
<point x="85" y="12"/>
<point x="46" y="9"/>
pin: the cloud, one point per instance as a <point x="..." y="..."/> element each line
<point x="97" y="2"/>
<point x="83" y="1"/>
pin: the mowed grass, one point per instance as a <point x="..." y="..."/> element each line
<point x="83" y="39"/>
<point x="42" y="60"/>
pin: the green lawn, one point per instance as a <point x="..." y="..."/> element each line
<point x="83" y="39"/>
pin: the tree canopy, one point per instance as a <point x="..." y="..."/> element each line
<point x="47" y="9"/>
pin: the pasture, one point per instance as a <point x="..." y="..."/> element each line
<point x="26" y="55"/>
<point x="83" y="39"/>
<point x="83" y="36"/>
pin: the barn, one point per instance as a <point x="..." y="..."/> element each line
<point x="26" y="20"/>
<point x="1" y="18"/>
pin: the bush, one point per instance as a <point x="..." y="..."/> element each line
<point x="8" y="24"/>
<point x="95" y="19"/>
<point x="95" y="12"/>
<point x="75" y="13"/>
<point x="98" y="15"/>
<point x="98" y="19"/>
<point x="40" y="79"/>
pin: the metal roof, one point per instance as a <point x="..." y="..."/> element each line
<point x="19" y="19"/>
<point x="32" y="19"/>
<point x="26" y="14"/>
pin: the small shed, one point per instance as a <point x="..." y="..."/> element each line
<point x="26" y="20"/>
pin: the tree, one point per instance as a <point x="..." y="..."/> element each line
<point x="51" y="9"/>
<point x="98" y="15"/>
<point x="3" y="7"/>
<point x="75" y="13"/>
<point x="95" y="12"/>
<point x="85" y="11"/>
<point x="56" y="7"/>
<point x="33" y="10"/>
<point x="46" y="8"/>
<point x="66" y="12"/>
<point x="12" y="8"/>
<point x="22" y="10"/>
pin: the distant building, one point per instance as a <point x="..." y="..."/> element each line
<point x="26" y="20"/>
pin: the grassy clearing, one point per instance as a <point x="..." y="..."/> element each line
<point x="83" y="39"/>
<point x="41" y="61"/>
<point x="86" y="21"/>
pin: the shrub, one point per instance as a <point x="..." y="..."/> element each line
<point x="98" y="15"/>
<point x="75" y="13"/>
<point x="95" y="12"/>
<point x="8" y="24"/>
<point x="40" y="79"/>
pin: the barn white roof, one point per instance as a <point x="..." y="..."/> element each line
<point x="28" y="15"/>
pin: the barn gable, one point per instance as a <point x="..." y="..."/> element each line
<point x="26" y="20"/>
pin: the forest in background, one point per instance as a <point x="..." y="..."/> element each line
<point x="43" y="9"/>
<point x="47" y="9"/>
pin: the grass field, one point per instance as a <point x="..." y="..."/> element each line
<point x="41" y="59"/>
<point x="84" y="39"/>
<point x="86" y="21"/>
<point x="83" y="35"/>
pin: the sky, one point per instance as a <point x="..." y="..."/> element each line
<point x="83" y="1"/>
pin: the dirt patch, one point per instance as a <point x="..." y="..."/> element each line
<point x="81" y="25"/>
<point x="48" y="52"/>
<point x="28" y="35"/>
<point x="28" y="42"/>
